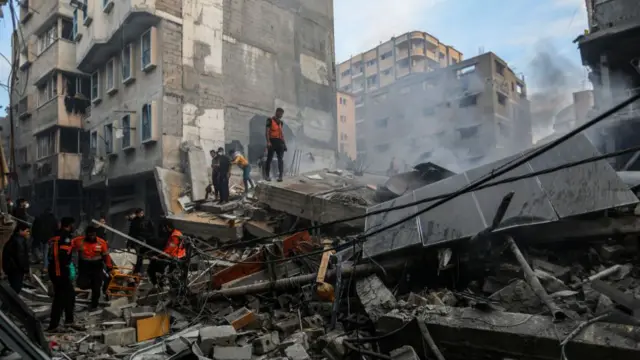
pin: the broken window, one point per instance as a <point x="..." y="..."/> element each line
<point x="126" y="131"/>
<point x="95" y="85"/>
<point x="467" y="101"/>
<point x="465" y="70"/>
<point x="69" y="140"/>
<point x="47" y="38"/>
<point x="386" y="55"/>
<point x="126" y="63"/>
<point x="502" y="98"/>
<point x="146" y="122"/>
<point x="48" y="90"/>
<point x="145" y="49"/>
<point x="520" y="89"/>
<point x="45" y="144"/>
<point x="108" y="138"/>
<point x="93" y="143"/>
<point x="82" y="85"/>
<point x="499" y="68"/>
<point x="67" y="30"/>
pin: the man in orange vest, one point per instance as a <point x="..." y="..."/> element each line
<point x="93" y="255"/>
<point x="275" y="143"/>
<point x="174" y="247"/>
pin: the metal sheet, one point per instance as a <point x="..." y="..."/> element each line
<point x="400" y="237"/>
<point x="565" y="193"/>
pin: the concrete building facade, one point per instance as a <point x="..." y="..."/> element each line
<point x="346" y="125"/>
<point x="413" y="52"/>
<point x="162" y="73"/>
<point x="457" y="117"/>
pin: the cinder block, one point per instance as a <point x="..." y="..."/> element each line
<point x="297" y="352"/>
<point x="232" y="353"/>
<point x="176" y="346"/>
<point x="121" y="337"/>
<point x="266" y="343"/>
<point x="216" y="335"/>
<point x="111" y="313"/>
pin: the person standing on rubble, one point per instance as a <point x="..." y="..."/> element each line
<point x="93" y="256"/>
<point x="224" y="173"/>
<point x="141" y="229"/>
<point x="275" y="143"/>
<point x="215" y="171"/>
<point x="15" y="257"/>
<point x="20" y="211"/>
<point x="44" y="228"/>
<point x="244" y="165"/>
<point x="174" y="247"/>
<point x="64" y="294"/>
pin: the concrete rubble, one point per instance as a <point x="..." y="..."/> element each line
<point x="250" y="295"/>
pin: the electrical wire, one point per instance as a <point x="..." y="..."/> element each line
<point x="443" y="196"/>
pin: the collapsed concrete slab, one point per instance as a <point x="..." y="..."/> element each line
<point x="318" y="196"/>
<point x="196" y="169"/>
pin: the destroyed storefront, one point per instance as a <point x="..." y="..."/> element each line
<point x="537" y="264"/>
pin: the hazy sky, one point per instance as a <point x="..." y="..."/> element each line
<point x="513" y="29"/>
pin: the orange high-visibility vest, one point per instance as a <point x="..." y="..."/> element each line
<point x="174" y="245"/>
<point x="275" y="131"/>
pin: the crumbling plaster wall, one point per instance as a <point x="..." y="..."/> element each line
<point x="279" y="53"/>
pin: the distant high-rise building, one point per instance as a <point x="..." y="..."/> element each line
<point x="346" y="125"/>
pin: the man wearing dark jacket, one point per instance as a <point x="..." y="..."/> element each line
<point x="60" y="259"/>
<point x="20" y="211"/>
<point x="44" y="228"/>
<point x="141" y="229"/>
<point x="15" y="257"/>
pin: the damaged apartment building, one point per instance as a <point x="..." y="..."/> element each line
<point x="114" y="89"/>
<point x="609" y="49"/>
<point x="459" y="116"/>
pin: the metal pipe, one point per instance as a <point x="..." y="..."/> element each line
<point x="16" y="219"/>
<point x="117" y="232"/>
<point x="532" y="280"/>
<point x="296" y="281"/>
<point x="604" y="273"/>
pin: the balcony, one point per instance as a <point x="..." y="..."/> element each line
<point x="59" y="56"/>
<point x="54" y="113"/>
<point x="106" y="34"/>
<point x="417" y="35"/>
<point x="61" y="166"/>
<point x="48" y="11"/>
<point x="401" y="40"/>
<point x="417" y="51"/>
<point x="402" y="54"/>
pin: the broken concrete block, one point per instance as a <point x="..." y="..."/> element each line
<point x="288" y="326"/>
<point x="119" y="302"/>
<point x="604" y="304"/>
<point x="404" y="353"/>
<point x="112" y="325"/>
<point x="376" y="298"/>
<point x="196" y="169"/>
<point x="299" y="338"/>
<point x="266" y="343"/>
<point x="241" y="318"/>
<point x="215" y="335"/>
<point x="561" y="272"/>
<point x="177" y="346"/>
<point x="518" y="297"/>
<point x="314" y="333"/>
<point x="416" y="300"/>
<point x="118" y="350"/>
<point x="611" y="252"/>
<point x="122" y="337"/>
<point x="315" y="321"/>
<point x="297" y="352"/>
<point x="232" y="352"/>
<point x="83" y="348"/>
<point x="111" y="313"/>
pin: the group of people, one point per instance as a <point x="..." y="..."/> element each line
<point x="83" y="261"/>
<point x="221" y="163"/>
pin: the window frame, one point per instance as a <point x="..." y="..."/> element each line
<point x="143" y="51"/>
<point x="97" y="86"/>
<point x="110" y="67"/>
<point x="126" y="58"/>
<point x="146" y="109"/>
<point x="125" y="122"/>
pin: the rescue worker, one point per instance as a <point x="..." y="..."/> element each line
<point x="64" y="295"/>
<point x="173" y="247"/>
<point x="93" y="256"/>
<point x="275" y="143"/>
<point x="243" y="164"/>
<point x="15" y="257"/>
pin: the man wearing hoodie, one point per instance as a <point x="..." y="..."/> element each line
<point x="15" y="257"/>
<point x="141" y="229"/>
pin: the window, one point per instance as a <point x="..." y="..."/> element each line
<point x="146" y="122"/>
<point x="382" y="123"/>
<point x="108" y="138"/>
<point x="46" y="144"/>
<point x="82" y="86"/>
<point x="343" y="119"/>
<point x="465" y="70"/>
<point x="386" y="72"/>
<point x="371" y="62"/>
<point x="467" y="101"/>
<point x="372" y="80"/>
<point x="502" y="99"/>
<point x="95" y="86"/>
<point x="357" y="67"/>
<point x="386" y="55"/>
<point x="519" y="89"/>
<point x="47" y="38"/>
<point x="126" y="63"/>
<point x="126" y="131"/>
<point x="343" y="136"/>
<point x="500" y="67"/>
<point x="48" y="90"/>
<point x="403" y="64"/>
<point x="93" y="143"/>
<point x="85" y="11"/>
<point x="145" y="49"/>
<point x="110" y="76"/>
<point x="343" y="101"/>
<point x="67" y="30"/>
<point x="382" y="148"/>
<point x="107" y="5"/>
<point x="346" y="73"/>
